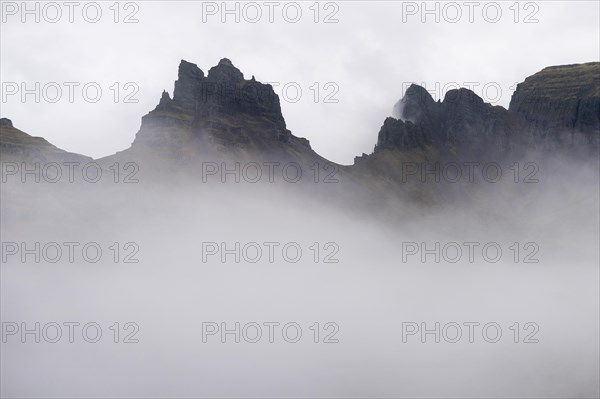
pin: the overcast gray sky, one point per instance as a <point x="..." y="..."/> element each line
<point x="363" y="58"/>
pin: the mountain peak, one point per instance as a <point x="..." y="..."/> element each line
<point x="225" y="61"/>
<point x="189" y="79"/>
<point x="222" y="91"/>
<point x="462" y="95"/>
<point x="188" y="69"/>
<point x="462" y="122"/>
<point x="6" y="122"/>
<point x="414" y="91"/>
<point x="417" y="104"/>
<point x="225" y="71"/>
<point x="165" y="98"/>
<point x="219" y="109"/>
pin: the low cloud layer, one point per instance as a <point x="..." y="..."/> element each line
<point x="358" y="276"/>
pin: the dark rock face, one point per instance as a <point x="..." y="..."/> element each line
<point x="554" y="111"/>
<point x="403" y="136"/>
<point x="224" y="71"/>
<point x="223" y="93"/>
<point x="468" y="122"/>
<point x="417" y="105"/>
<point x="460" y="123"/>
<point x="558" y="107"/>
<point x="189" y="80"/>
<point x="6" y="122"/>
<point x="561" y="104"/>
<point x="218" y="114"/>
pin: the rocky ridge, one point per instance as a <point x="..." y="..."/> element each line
<point x="218" y="115"/>
<point x="222" y="115"/>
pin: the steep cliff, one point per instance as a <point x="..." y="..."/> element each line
<point x="561" y="104"/>
<point x="557" y="108"/>
<point x="460" y="124"/>
<point x="554" y="111"/>
<point x="214" y="116"/>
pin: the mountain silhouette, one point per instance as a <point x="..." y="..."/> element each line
<point x="222" y="116"/>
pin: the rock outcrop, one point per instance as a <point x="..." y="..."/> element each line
<point x="555" y="110"/>
<point x="557" y="107"/>
<point x="460" y="124"/>
<point x="220" y="114"/>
